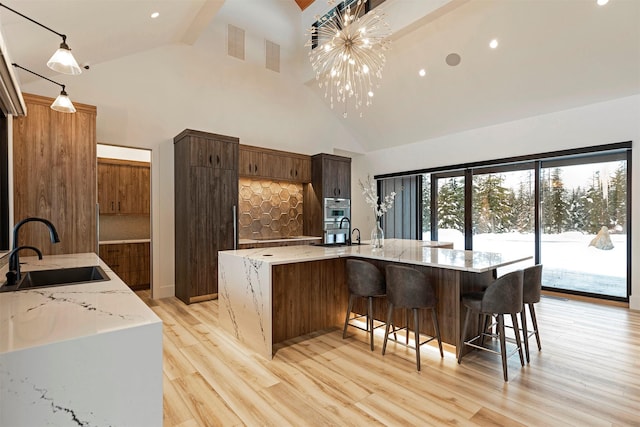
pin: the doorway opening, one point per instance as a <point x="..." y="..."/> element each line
<point x="124" y="213"/>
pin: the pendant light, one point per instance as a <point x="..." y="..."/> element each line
<point x="62" y="103"/>
<point x="62" y="60"/>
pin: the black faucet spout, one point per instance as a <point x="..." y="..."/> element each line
<point x="52" y="229"/>
<point x="13" y="275"/>
<point x="353" y="231"/>
<point x="14" y="260"/>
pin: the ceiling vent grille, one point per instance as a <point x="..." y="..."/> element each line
<point x="272" y="59"/>
<point x="235" y="42"/>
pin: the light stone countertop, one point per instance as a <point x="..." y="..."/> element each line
<point x="42" y="316"/>
<point x="121" y="242"/>
<point x="398" y="250"/>
<point x="279" y="239"/>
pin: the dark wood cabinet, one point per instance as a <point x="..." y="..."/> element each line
<point x="130" y="261"/>
<point x="124" y="187"/>
<point x="330" y="178"/>
<point x="206" y="195"/>
<point x="334" y="175"/>
<point x="274" y="164"/>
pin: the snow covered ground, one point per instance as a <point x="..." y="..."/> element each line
<point x="569" y="262"/>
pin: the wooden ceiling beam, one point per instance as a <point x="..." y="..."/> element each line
<point x="303" y="4"/>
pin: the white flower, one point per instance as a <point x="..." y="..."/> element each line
<point x="371" y="197"/>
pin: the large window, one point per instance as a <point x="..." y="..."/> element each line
<point x="584" y="226"/>
<point x="569" y="210"/>
<point x="504" y="212"/>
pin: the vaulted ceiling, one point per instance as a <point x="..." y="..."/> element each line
<point x="552" y="54"/>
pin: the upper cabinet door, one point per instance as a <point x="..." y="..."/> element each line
<point x="133" y="190"/>
<point x="124" y="188"/>
<point x="107" y="188"/>
<point x="274" y="164"/>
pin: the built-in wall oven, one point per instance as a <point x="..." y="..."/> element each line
<point x="336" y="227"/>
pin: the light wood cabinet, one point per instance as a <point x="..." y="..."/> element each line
<point x="54" y="167"/>
<point x="124" y="187"/>
<point x="330" y="178"/>
<point x="206" y="195"/>
<point x="130" y="261"/>
<point x="274" y="164"/>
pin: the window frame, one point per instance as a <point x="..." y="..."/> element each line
<point x="582" y="155"/>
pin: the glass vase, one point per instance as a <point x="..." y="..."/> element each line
<point x="377" y="236"/>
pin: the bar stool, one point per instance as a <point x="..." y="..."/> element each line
<point x="364" y="280"/>
<point x="503" y="296"/>
<point x="531" y="287"/>
<point x="409" y="288"/>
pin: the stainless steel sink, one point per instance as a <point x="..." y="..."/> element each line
<point x="58" y="277"/>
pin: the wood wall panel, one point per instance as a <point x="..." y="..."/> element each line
<point x="307" y="297"/>
<point x="54" y="166"/>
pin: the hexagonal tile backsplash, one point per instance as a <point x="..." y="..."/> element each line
<point x="269" y="209"/>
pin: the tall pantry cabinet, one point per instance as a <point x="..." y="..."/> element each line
<point x="54" y="170"/>
<point x="206" y="197"/>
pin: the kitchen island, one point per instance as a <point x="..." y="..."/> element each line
<point x="82" y="354"/>
<point x="269" y="295"/>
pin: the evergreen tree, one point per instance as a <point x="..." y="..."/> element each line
<point x="426" y="203"/>
<point x="555" y="213"/>
<point x="577" y="210"/>
<point x="523" y="207"/>
<point x="595" y="206"/>
<point x="492" y="204"/>
<point x="617" y="201"/>
<point x="451" y="205"/>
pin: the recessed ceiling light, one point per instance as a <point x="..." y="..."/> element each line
<point x="602" y="2"/>
<point x="154" y="15"/>
<point x="422" y="72"/>
<point x="493" y="43"/>
<point x="370" y="94"/>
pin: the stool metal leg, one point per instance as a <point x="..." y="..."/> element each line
<point x="416" y="335"/>
<point x="436" y="326"/>
<point x="370" y="319"/>
<point x="532" y="311"/>
<point x="503" y="346"/>
<point x="406" y="316"/>
<point x="516" y="328"/>
<point x="525" y="332"/>
<point x="346" y="320"/>
<point x="386" y="329"/>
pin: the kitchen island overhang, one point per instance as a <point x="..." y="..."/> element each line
<point x="269" y="295"/>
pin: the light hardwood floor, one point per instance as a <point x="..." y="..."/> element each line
<point x="587" y="374"/>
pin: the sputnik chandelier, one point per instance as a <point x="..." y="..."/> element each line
<point x="347" y="53"/>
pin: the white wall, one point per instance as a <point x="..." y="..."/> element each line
<point x="596" y="124"/>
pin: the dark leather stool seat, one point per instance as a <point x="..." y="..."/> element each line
<point x="409" y="288"/>
<point x="531" y="287"/>
<point x="364" y="280"/>
<point x="503" y="296"/>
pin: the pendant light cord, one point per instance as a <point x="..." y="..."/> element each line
<point x="64" y="37"/>
<point x="39" y="75"/>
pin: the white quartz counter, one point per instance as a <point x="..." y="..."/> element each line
<point x="121" y="242"/>
<point x="42" y="316"/>
<point x="85" y="354"/>
<point x="431" y="254"/>
<point x="280" y="240"/>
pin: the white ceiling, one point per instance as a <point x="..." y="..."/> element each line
<point x="553" y="55"/>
